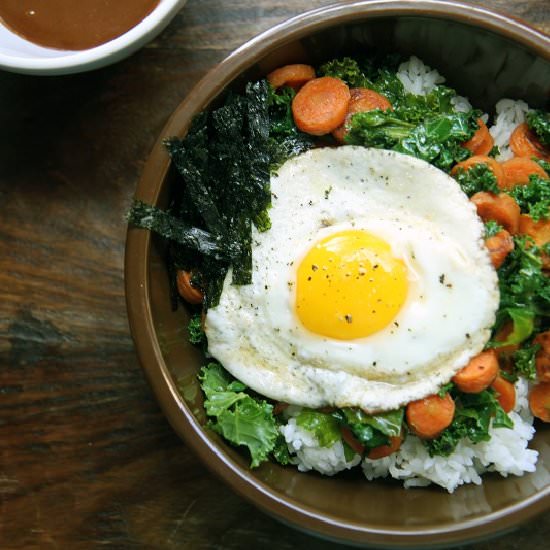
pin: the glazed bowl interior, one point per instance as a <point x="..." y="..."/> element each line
<point x="485" y="57"/>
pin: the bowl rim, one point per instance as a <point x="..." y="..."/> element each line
<point x="98" y="56"/>
<point x="138" y="283"/>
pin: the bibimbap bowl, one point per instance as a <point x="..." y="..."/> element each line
<point x="485" y="57"/>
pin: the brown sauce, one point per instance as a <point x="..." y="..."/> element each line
<point x="73" y="24"/>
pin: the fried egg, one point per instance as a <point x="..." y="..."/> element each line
<point x="372" y="288"/>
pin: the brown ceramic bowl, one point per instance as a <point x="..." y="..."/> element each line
<point x="485" y="56"/>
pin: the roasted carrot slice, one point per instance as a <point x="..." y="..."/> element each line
<point x="362" y="99"/>
<point x="542" y="359"/>
<point x="499" y="245"/>
<point x="428" y="417"/>
<point x="481" y="142"/>
<point x="294" y="76"/>
<point x="517" y="171"/>
<point x="351" y="440"/>
<point x="539" y="230"/>
<point x="539" y="401"/>
<point x="386" y="450"/>
<point x="525" y="143"/>
<point x="493" y="165"/>
<point x="478" y="374"/>
<point x="506" y="393"/>
<point x="186" y="290"/>
<point x="501" y="208"/>
<point x="321" y="105"/>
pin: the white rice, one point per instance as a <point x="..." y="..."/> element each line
<point x="307" y="454"/>
<point x="418" y="78"/>
<point x="509" y="113"/>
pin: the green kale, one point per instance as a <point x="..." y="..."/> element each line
<point x="477" y="178"/>
<point x="378" y="128"/>
<point x="524" y="292"/>
<point x="534" y="198"/>
<point x="388" y="84"/>
<point x="371" y="430"/>
<point x="415" y="108"/>
<point x="438" y="140"/>
<point x="543" y="164"/>
<point x="524" y="361"/>
<point x="494" y="152"/>
<point x="195" y="331"/>
<point x="471" y="421"/>
<point x="445" y="389"/>
<point x="237" y="416"/>
<point x="492" y="228"/>
<point x="348" y="70"/>
<point x="539" y="122"/>
<point x="280" y="451"/>
<point x="323" y="426"/>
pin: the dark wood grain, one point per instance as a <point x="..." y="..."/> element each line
<point x="86" y="458"/>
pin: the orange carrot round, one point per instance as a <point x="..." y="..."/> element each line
<point x="362" y="99"/>
<point x="499" y="246"/>
<point x="539" y="401"/>
<point x="295" y="75"/>
<point x="525" y="143"/>
<point x="321" y="105"/>
<point x="542" y="358"/>
<point x="428" y="417"/>
<point x="186" y="290"/>
<point x="517" y="171"/>
<point x="493" y="165"/>
<point x="501" y="208"/>
<point x="506" y="393"/>
<point x="481" y="142"/>
<point x="386" y="450"/>
<point x="478" y="374"/>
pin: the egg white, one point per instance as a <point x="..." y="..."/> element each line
<point x="429" y="223"/>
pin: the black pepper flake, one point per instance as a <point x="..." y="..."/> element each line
<point x="375" y="266"/>
<point x="396" y="323"/>
<point x="309" y="278"/>
<point x="442" y="278"/>
<point x="467" y="335"/>
<point x="348" y="318"/>
<point x="314" y="267"/>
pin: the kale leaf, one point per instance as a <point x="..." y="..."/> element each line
<point x="524" y="361"/>
<point x="524" y="292"/>
<point x="539" y="122"/>
<point x="378" y="128"/>
<point x="323" y="426"/>
<point x="348" y="70"/>
<point x="477" y="178"/>
<point x="237" y="416"/>
<point x="371" y="430"/>
<point x="195" y="331"/>
<point x="471" y="421"/>
<point x="534" y="198"/>
<point x="492" y="228"/>
<point x="438" y="140"/>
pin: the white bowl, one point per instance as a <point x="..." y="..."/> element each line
<point x="21" y="56"/>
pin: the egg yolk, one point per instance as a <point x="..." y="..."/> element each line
<point x="350" y="285"/>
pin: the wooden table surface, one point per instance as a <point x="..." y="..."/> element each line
<point x="86" y="458"/>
